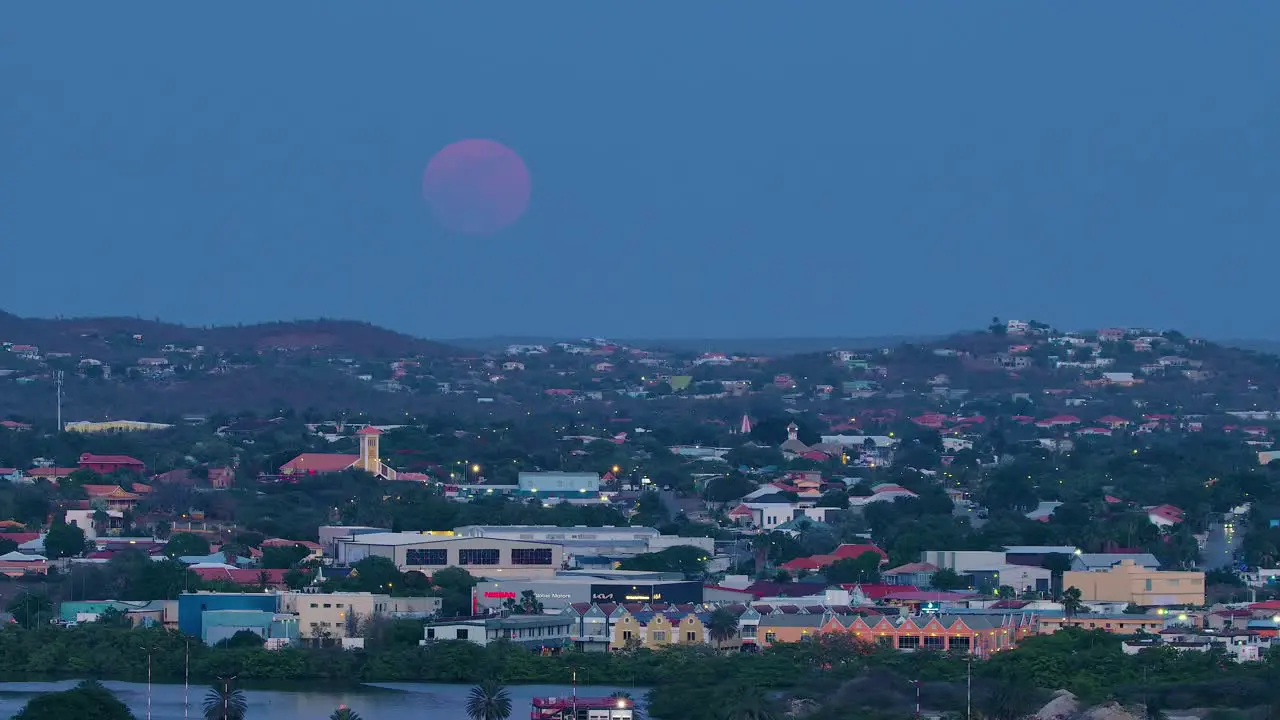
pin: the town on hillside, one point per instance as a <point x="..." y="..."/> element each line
<point x="986" y="504"/>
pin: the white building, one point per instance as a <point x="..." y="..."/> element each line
<point x="482" y="556"/>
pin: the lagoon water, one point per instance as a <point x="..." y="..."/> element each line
<point x="378" y="701"/>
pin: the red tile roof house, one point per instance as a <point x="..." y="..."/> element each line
<point x="115" y="497"/>
<point x="245" y="577"/>
<point x="843" y="552"/>
<point x="1164" y="515"/>
<point x="319" y="464"/>
<point x="1058" y="420"/>
<point x="107" y="464"/>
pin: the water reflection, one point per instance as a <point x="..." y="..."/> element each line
<point x="379" y="701"/>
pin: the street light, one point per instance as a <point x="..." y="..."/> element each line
<point x="226" y="694"/>
<point x="148" y="680"/>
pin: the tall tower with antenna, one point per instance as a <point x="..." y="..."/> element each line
<point x="57" y="379"/>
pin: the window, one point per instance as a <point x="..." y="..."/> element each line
<point x="531" y="556"/>
<point x="339" y="605"/>
<point x="626" y="635"/>
<point x="959" y="643"/>
<point x="327" y="605"/>
<point x="1148" y="584"/>
<point x="426" y="557"/>
<point x="749" y="631"/>
<point x="934" y="643"/>
<point x="885" y="641"/>
<point x="908" y="642"/>
<point x="478" y="556"/>
<point x="691" y="636"/>
<point x="431" y="633"/>
<point x="314" y="605"/>
<point x="659" y="636"/>
<point x="771" y="637"/>
<point x="462" y="635"/>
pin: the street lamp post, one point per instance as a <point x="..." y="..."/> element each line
<point x="186" y="682"/>
<point x="148" y="681"/>
<point x="226" y="695"/>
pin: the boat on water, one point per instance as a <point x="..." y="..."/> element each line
<point x="573" y="707"/>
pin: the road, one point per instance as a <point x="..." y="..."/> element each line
<point x="964" y="511"/>
<point x="668" y="499"/>
<point x="1221" y="545"/>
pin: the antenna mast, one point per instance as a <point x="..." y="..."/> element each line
<point x="57" y="378"/>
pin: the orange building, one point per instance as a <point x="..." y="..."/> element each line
<point x="1118" y="624"/>
<point x="981" y="634"/>
<point x="114" y="496"/>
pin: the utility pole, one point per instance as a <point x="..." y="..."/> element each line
<point x="226" y="695"/>
<point x="186" y="683"/>
<point x="57" y="379"/>
<point x="968" y="689"/>
<point x="148" y="682"/>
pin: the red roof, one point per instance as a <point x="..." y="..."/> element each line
<point x="318" y="463"/>
<point x="20" y="537"/>
<point x="108" y="491"/>
<point x="91" y="459"/>
<point x="852" y="551"/>
<point x="1168" y="512"/>
<point x="928" y="596"/>
<point x="876" y="591"/>
<point x="250" y="577"/>
<point x="370" y="430"/>
<point x="844" y="552"/>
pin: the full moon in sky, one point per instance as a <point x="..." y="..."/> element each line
<point x="476" y="186"/>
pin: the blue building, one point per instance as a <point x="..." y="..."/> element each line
<point x="193" y="606"/>
<point x="219" y="625"/>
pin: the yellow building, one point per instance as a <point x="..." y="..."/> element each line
<point x="656" y="629"/>
<point x="1131" y="583"/>
<point x="1118" y="624"/>
<point x="324" y="617"/>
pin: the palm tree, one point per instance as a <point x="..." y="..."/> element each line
<point x="489" y="701"/>
<point x="224" y="702"/>
<point x="750" y="704"/>
<point x="1071" y="601"/>
<point x="722" y="626"/>
<point x="626" y="697"/>
<point x="345" y="713"/>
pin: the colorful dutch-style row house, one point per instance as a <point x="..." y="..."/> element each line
<point x="980" y="634"/>
<point x="614" y="627"/>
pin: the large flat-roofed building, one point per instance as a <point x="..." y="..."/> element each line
<point x="326" y="617"/>
<point x="1131" y="583"/>
<point x="604" y="545"/>
<point x="557" y="593"/>
<point x="554" y="533"/>
<point x="531" y="631"/>
<point x="481" y="556"/>
<point x="558" y="483"/>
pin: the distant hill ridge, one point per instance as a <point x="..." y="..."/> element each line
<point x="364" y="339"/>
<point x="97" y="334"/>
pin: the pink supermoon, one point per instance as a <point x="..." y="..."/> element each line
<point x="476" y="186"/>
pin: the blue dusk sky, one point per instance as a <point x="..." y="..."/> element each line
<point x="699" y="169"/>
